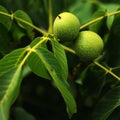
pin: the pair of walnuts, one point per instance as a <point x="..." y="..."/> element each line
<point x="88" y="45"/>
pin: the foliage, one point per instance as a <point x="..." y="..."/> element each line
<point x="34" y="64"/>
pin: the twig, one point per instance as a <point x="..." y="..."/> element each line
<point x="106" y="70"/>
<point x="99" y="18"/>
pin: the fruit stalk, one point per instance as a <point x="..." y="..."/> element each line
<point x="50" y="29"/>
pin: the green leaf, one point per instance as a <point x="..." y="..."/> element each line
<point x="58" y="52"/>
<point x="20" y="114"/>
<point x="17" y="32"/>
<point x="97" y="26"/>
<point x="114" y="43"/>
<point x="11" y="60"/>
<point x="107" y="104"/>
<point x="109" y="8"/>
<point x="116" y="70"/>
<point x="60" y="55"/>
<point x="82" y="76"/>
<point x="10" y="79"/>
<point x="9" y="86"/>
<point x="37" y="66"/>
<point x="54" y="68"/>
<point x="23" y="18"/>
<point x="35" y="63"/>
<point x="109" y="21"/>
<point x="5" y="20"/>
<point x="4" y="40"/>
<point x="36" y="41"/>
<point x="83" y="10"/>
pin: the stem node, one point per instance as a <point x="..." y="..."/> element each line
<point x="12" y="16"/>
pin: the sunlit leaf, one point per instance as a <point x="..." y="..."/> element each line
<point x="9" y="87"/>
<point x="36" y="41"/>
<point x="53" y="67"/>
<point x="10" y="79"/>
<point x="37" y="66"/>
<point x="60" y="55"/>
<point x="35" y="63"/>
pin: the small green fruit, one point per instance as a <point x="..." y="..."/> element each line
<point x="88" y="45"/>
<point x="66" y="26"/>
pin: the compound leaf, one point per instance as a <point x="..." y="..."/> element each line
<point x="35" y="63"/>
<point x="54" y="68"/>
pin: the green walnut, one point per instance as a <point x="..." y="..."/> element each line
<point x="66" y="26"/>
<point x="88" y="45"/>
